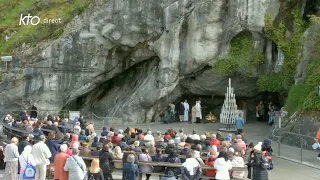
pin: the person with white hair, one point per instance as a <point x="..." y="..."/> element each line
<point x="41" y="154"/>
<point x="120" y="133"/>
<point x="26" y="158"/>
<point x="197" y="155"/>
<point x="149" y="137"/>
<point x="75" y="166"/>
<point x="137" y="149"/>
<point x="11" y="156"/>
<point x="77" y="128"/>
<point x="59" y="163"/>
<point x="238" y="161"/>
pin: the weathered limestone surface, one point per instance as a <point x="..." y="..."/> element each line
<point x="130" y="58"/>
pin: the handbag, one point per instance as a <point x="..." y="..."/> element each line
<point x="315" y="146"/>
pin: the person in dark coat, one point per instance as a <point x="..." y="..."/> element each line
<point x="105" y="158"/>
<point x="161" y="144"/>
<point x="173" y="158"/>
<point x="181" y="111"/>
<point x="2" y="164"/>
<point x="123" y="144"/>
<point x="260" y="171"/>
<point x="34" y="111"/>
<point x="266" y="146"/>
<point x="53" y="146"/>
<point x="95" y="142"/>
<point x="37" y="130"/>
<point x="23" y="143"/>
<point x="158" y="158"/>
<point x="96" y="152"/>
<point x="185" y="151"/>
<point x="250" y="160"/>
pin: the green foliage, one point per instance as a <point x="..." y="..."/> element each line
<point x="296" y="97"/>
<point x="271" y="82"/>
<point x="290" y="45"/>
<point x="10" y="11"/>
<point x="312" y="102"/>
<point x="242" y="57"/>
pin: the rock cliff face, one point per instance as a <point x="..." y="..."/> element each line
<point x="130" y="58"/>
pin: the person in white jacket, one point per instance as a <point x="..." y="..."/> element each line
<point x="25" y="157"/>
<point x="222" y="165"/>
<point x="238" y="161"/>
<point x="149" y="137"/>
<point x="198" y="113"/>
<point x="41" y="155"/>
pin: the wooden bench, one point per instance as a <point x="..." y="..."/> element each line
<point x="166" y="164"/>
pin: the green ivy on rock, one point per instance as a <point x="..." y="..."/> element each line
<point x="242" y="57"/>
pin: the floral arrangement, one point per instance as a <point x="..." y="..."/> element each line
<point x="211" y="118"/>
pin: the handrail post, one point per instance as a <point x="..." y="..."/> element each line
<point x="301" y="149"/>
<point x="279" y="144"/>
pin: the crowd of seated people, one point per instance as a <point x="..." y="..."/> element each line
<point x="133" y="145"/>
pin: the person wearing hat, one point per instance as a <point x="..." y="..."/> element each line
<point x="260" y="172"/>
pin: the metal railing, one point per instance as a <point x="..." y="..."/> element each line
<point x="295" y="147"/>
<point x="65" y="114"/>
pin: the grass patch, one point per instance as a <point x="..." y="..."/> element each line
<point x="10" y="11"/>
<point x="296" y="97"/>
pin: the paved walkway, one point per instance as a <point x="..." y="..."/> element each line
<point x="284" y="169"/>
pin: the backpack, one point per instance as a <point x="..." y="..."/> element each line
<point x="29" y="171"/>
<point x="264" y="164"/>
<point x="92" y="177"/>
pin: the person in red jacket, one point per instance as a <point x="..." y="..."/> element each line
<point x="115" y="139"/>
<point x="210" y="162"/>
<point x="214" y="140"/>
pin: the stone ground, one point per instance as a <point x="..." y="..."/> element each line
<point x="284" y="168"/>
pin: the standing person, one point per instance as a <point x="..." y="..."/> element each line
<point x="222" y="165"/>
<point x="198" y="113"/>
<point x="95" y="171"/>
<point x="23" y="143"/>
<point x="173" y="111"/>
<point x="239" y="121"/>
<point x="41" y="154"/>
<point x="34" y="111"/>
<point x="11" y="158"/>
<point x="59" y="163"/>
<point x="105" y="158"/>
<point x="75" y="166"/>
<point x="318" y="141"/>
<point x="193" y="114"/>
<point x="186" y="111"/>
<point x="261" y="111"/>
<point x="250" y="160"/>
<point x="272" y="115"/>
<point x="181" y="111"/>
<point x="26" y="158"/>
<point x="260" y="164"/>
<point x="130" y="170"/>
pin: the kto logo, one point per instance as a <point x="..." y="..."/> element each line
<point x="26" y="20"/>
